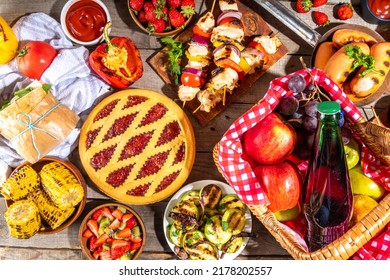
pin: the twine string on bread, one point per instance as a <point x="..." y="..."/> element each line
<point x="31" y="126"/>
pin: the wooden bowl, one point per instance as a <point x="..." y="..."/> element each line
<point x="162" y="34"/>
<point x="78" y="209"/>
<point x="83" y="227"/>
<point x="327" y="37"/>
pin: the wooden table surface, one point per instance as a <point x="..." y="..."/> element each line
<point x="65" y="245"/>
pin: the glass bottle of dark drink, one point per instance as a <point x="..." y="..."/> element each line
<point x="327" y="191"/>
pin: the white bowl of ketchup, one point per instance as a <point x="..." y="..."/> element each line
<point x="83" y="21"/>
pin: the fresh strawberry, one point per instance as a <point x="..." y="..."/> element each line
<point x="150" y="14"/>
<point x="124" y="233"/>
<point x="109" y="240"/>
<point x="148" y="6"/>
<point x="87" y="233"/>
<point x="135" y="245"/>
<point x="115" y="224"/>
<point x="97" y="253"/>
<point x="93" y="226"/>
<point x="141" y="16"/>
<point x="188" y="7"/>
<point x="344" y="11"/>
<point x="131" y="223"/>
<point x="118" y="248"/>
<point x="105" y="255"/>
<point x="104" y="211"/>
<point x="136" y="5"/>
<point x="127" y="217"/>
<point x="318" y="3"/>
<point x="92" y="243"/>
<point x="101" y="239"/>
<point x="174" y="4"/>
<point x="156" y="26"/>
<point x="135" y="239"/>
<point x="176" y="18"/>
<point x="190" y="3"/>
<point x="97" y="214"/>
<point x="162" y="13"/>
<point x="321" y="18"/>
<point x="118" y="214"/>
<point x="303" y="6"/>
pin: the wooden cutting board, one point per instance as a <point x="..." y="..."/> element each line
<point x="254" y="25"/>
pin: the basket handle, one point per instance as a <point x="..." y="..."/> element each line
<point x="342" y="248"/>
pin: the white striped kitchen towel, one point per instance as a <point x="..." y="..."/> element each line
<point x="73" y="83"/>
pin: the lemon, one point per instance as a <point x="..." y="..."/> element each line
<point x="362" y="205"/>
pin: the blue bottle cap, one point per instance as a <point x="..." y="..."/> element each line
<point x="328" y="107"/>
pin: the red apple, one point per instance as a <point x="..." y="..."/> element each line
<point x="282" y="183"/>
<point x="271" y="140"/>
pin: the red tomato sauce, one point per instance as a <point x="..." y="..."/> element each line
<point x="380" y="8"/>
<point x="85" y="20"/>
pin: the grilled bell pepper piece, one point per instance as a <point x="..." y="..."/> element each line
<point x="8" y="42"/>
<point x="118" y="61"/>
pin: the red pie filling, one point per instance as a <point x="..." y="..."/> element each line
<point x="120" y="125"/>
<point x="155" y="113"/>
<point x="118" y="177"/>
<point x="101" y="159"/>
<point x="106" y="110"/>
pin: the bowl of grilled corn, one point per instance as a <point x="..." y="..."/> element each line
<point x="43" y="198"/>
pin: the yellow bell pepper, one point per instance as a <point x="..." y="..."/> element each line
<point x="8" y="42"/>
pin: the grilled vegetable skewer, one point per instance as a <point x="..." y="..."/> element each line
<point x="199" y="55"/>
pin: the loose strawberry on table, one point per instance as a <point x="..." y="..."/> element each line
<point x="303" y="6"/>
<point x="318" y="3"/>
<point x="344" y="11"/>
<point x="321" y="18"/>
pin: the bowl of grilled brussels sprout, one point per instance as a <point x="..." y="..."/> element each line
<point x="43" y="198"/>
<point x="206" y="220"/>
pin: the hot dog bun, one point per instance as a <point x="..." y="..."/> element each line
<point x="345" y="36"/>
<point x="324" y="51"/>
<point x="364" y="86"/>
<point x="339" y="65"/>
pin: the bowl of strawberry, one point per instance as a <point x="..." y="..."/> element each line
<point x="162" y="17"/>
<point x="112" y="231"/>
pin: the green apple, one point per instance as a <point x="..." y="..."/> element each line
<point x="352" y="153"/>
<point x="289" y="214"/>
<point x="361" y="184"/>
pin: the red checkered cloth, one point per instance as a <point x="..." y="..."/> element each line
<point x="240" y="175"/>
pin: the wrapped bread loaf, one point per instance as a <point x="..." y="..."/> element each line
<point x="35" y="122"/>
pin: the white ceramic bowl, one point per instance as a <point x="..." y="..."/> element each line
<point x="64" y="12"/>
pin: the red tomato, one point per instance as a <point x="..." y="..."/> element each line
<point x="191" y="80"/>
<point x="35" y="58"/>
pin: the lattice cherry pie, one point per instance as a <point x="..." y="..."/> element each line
<point x="137" y="146"/>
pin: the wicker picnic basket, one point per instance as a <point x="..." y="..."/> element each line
<point x="230" y="166"/>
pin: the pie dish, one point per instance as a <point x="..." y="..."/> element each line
<point x="137" y="146"/>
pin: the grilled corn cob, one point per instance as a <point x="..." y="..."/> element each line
<point x="61" y="185"/>
<point x="20" y="183"/>
<point x="53" y="215"/>
<point x="23" y="219"/>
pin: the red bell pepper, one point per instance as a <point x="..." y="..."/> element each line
<point x="118" y="61"/>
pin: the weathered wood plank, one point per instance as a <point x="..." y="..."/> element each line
<point x="68" y="239"/>
<point x="11" y="253"/>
